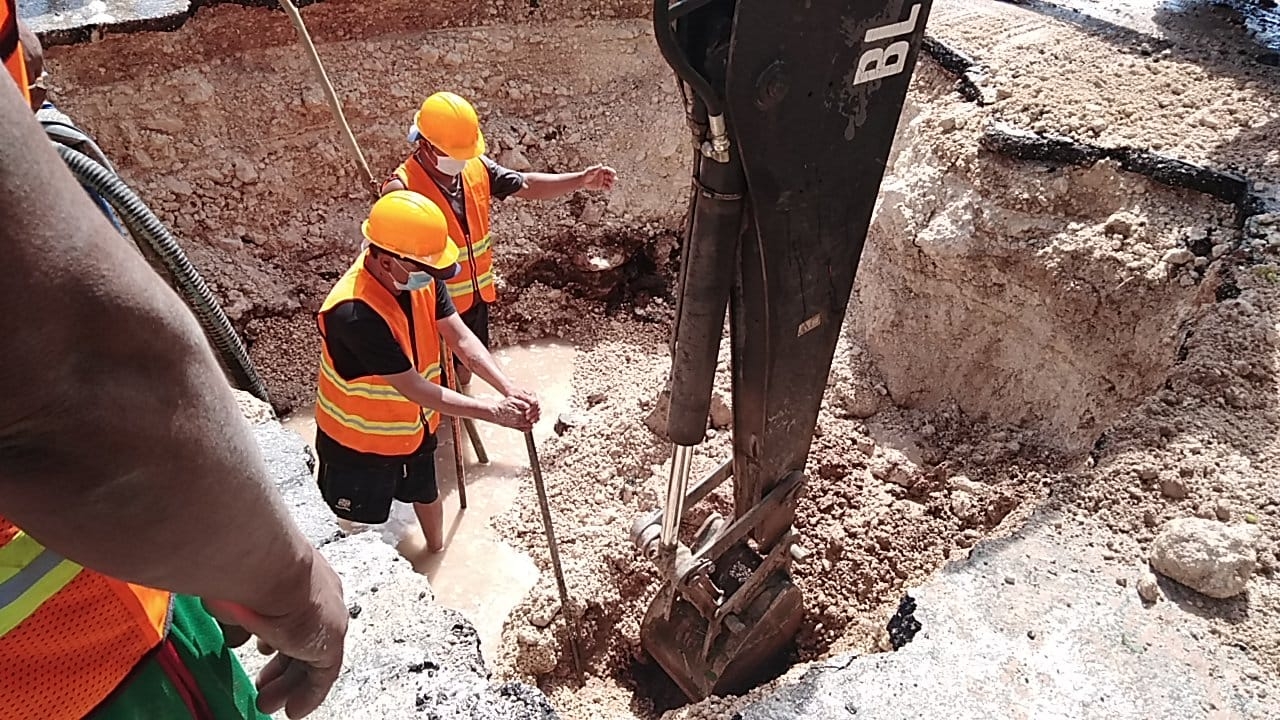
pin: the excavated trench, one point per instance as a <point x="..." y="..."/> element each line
<point x="1034" y="315"/>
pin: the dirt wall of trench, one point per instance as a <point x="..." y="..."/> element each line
<point x="1049" y="297"/>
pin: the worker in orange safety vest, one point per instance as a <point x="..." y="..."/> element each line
<point x="134" y="506"/>
<point x="449" y="166"/>
<point x="379" y="398"/>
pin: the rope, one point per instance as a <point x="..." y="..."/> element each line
<point x="334" y="103"/>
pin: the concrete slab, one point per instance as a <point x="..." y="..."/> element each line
<point x="65" y="22"/>
<point x="1246" y="24"/>
<point x="1037" y="627"/>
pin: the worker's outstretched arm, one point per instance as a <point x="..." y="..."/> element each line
<point x="121" y="446"/>
<point x="546" y="186"/>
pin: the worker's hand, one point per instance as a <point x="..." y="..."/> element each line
<point x="598" y="177"/>
<point x="512" y="412"/>
<point x="306" y="633"/>
<point x="534" y="413"/>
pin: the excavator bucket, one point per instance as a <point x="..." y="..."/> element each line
<point x="737" y="661"/>
<point x="793" y="107"/>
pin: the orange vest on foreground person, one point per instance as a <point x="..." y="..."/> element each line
<point x="475" y="255"/>
<point x="368" y="414"/>
<point x="68" y="635"/>
<point x="10" y="52"/>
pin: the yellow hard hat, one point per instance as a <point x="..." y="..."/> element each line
<point x="404" y="223"/>
<point x="450" y="124"/>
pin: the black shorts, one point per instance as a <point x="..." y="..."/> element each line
<point x="477" y="319"/>
<point x="361" y="490"/>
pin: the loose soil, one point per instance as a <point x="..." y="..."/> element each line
<point x="1023" y="332"/>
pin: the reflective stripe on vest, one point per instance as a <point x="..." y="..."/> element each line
<point x="29" y="575"/>
<point x="368" y="414"/>
<point x="10" y="48"/>
<point x="68" y="635"/>
<point x="475" y="246"/>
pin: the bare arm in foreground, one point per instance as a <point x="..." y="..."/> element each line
<point x="121" y="446"/>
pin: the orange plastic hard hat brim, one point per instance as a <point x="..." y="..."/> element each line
<point x="457" y="153"/>
<point x="439" y="261"/>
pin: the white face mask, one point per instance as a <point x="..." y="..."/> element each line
<point x="449" y="166"/>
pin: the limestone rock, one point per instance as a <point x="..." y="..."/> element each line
<point x="515" y="160"/>
<point x="1175" y="488"/>
<point x="721" y="413"/>
<point x="861" y="402"/>
<point x="253" y="409"/>
<point x="656" y="421"/>
<point x="536" y="654"/>
<point x="1209" y="557"/>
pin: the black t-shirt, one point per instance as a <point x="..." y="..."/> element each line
<point x="362" y="344"/>
<point x="503" y="183"/>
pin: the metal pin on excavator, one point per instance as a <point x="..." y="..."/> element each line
<point x="793" y="108"/>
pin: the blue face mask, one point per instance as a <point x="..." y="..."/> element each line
<point x="417" y="281"/>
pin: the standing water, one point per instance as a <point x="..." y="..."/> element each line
<point x="478" y="573"/>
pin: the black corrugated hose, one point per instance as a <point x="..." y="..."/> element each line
<point x="155" y="241"/>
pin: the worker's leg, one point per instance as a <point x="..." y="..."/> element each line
<point x="192" y="675"/>
<point x="420" y="488"/>
<point x="476" y="318"/>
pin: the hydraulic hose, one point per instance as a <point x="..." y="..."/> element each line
<point x="151" y="235"/>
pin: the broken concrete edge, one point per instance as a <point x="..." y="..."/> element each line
<point x="404" y="654"/>
<point x="75" y="27"/>
<point x="1154" y="43"/>
<point x="1092" y="23"/>
<point x="1030" y="620"/>
<point x="1229" y="187"/>
<point x="1022" y="144"/>
<point x="965" y="68"/>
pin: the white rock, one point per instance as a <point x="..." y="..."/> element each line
<point x="1178" y="256"/>
<point x="515" y="160"/>
<point x="721" y="413"/>
<point x="1207" y="556"/>
<point x="1148" y="589"/>
<point x="246" y="172"/>
<point x="543" y="616"/>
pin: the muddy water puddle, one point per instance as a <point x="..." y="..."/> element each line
<point x="479" y="573"/>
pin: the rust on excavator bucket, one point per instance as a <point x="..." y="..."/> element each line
<point x="756" y="647"/>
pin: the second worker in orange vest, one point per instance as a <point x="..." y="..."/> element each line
<point x="450" y="167"/>
<point x="379" y="396"/>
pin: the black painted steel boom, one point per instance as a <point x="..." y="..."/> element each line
<point x="793" y="106"/>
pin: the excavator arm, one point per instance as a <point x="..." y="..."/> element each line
<point x="793" y="108"/>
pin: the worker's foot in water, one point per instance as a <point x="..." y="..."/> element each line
<point x="431" y="518"/>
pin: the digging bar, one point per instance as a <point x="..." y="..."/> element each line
<point x="569" y="618"/>
<point x="451" y="378"/>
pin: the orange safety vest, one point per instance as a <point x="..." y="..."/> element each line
<point x="475" y="255"/>
<point x="368" y="414"/>
<point x="10" y="51"/>
<point x="68" y="635"/>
